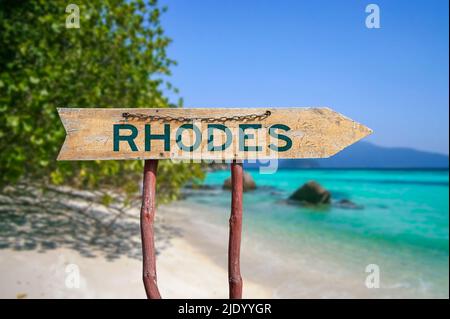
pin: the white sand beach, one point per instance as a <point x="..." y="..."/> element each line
<point x="183" y="272"/>
<point x="42" y="269"/>
<point x="43" y="246"/>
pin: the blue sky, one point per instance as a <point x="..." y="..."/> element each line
<point x="252" y="53"/>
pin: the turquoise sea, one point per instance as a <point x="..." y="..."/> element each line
<point x="403" y="227"/>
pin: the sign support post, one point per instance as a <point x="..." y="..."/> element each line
<point x="148" y="211"/>
<point x="234" y="244"/>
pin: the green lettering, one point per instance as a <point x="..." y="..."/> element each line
<point x="228" y="140"/>
<point x="282" y="137"/>
<point x="127" y="138"/>
<point x="149" y="137"/>
<point x="198" y="137"/>
<point x="243" y="137"/>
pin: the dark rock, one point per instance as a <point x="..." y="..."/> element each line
<point x="348" y="204"/>
<point x="312" y="193"/>
<point x="249" y="183"/>
<point x="200" y="187"/>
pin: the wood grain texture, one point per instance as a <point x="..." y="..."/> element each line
<point x="315" y="133"/>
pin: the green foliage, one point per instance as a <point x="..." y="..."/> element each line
<point x="117" y="58"/>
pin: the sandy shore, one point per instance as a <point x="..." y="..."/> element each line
<point x="186" y="267"/>
<point x="183" y="272"/>
<point x="43" y="248"/>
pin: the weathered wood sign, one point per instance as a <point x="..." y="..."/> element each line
<point x="259" y="133"/>
<point x="230" y="134"/>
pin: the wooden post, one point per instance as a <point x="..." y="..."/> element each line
<point x="147" y="234"/>
<point x="234" y="244"/>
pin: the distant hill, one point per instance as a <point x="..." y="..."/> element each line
<point x="365" y="154"/>
<point x="368" y="155"/>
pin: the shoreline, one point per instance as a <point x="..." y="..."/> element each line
<point x="287" y="271"/>
<point x="192" y="244"/>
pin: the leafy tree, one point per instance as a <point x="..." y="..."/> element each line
<point x="116" y="58"/>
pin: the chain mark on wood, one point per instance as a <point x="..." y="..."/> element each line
<point x="168" y="118"/>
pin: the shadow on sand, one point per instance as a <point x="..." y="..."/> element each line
<point x="33" y="219"/>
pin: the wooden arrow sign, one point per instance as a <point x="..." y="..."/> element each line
<point x="258" y="133"/>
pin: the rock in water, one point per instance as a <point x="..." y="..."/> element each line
<point x="312" y="193"/>
<point x="249" y="183"/>
<point x="348" y="204"/>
